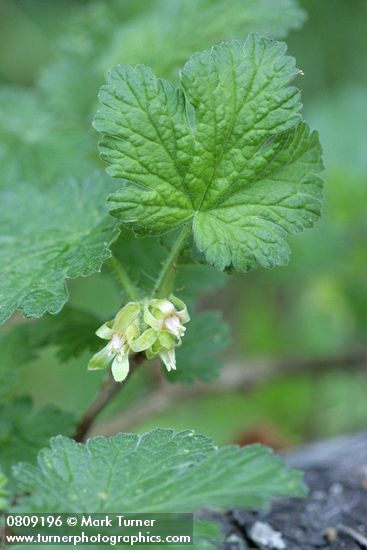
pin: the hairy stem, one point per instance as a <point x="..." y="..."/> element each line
<point x="164" y="282"/>
<point x="107" y="391"/>
<point x="124" y="279"/>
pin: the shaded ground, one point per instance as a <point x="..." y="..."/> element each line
<point x="334" y="516"/>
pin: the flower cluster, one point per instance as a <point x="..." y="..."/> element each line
<point x="155" y="327"/>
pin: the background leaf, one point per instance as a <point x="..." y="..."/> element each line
<point x="207" y="335"/>
<point x="24" y="432"/>
<point x="45" y="132"/>
<point x="71" y="333"/>
<point x="3" y="491"/>
<point x="49" y="236"/>
<point x="142" y="258"/>
<point x="159" y="33"/>
<point x="36" y="146"/>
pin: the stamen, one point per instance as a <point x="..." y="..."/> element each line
<point x="117" y="343"/>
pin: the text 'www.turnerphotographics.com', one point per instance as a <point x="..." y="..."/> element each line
<point x="105" y="529"/>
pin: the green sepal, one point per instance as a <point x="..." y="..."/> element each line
<point x="105" y="331"/>
<point x="145" y="341"/>
<point x="100" y="360"/>
<point x="125" y="317"/>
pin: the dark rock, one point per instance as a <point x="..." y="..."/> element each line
<point x="332" y="517"/>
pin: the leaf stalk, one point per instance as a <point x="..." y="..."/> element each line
<point x="164" y="283"/>
<point x="124" y="279"/>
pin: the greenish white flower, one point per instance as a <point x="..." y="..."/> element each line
<point x="170" y="315"/>
<point x="167" y="318"/>
<point x="157" y="328"/>
<point x="123" y="334"/>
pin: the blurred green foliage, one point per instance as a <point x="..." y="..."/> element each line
<point x="55" y="54"/>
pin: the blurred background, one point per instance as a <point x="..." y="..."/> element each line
<point x="307" y="322"/>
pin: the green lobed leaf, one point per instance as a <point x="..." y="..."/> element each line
<point x="49" y="236"/>
<point x="24" y="432"/>
<point x="159" y="471"/>
<point x="207" y="335"/>
<point x="227" y="152"/>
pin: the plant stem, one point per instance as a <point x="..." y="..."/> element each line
<point x="107" y="391"/>
<point x="167" y="272"/>
<point x="124" y="279"/>
<point x="109" y="388"/>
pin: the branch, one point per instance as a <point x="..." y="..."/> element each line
<point x="234" y="378"/>
<point x="107" y="391"/>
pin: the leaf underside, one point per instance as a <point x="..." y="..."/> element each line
<point x="226" y="152"/>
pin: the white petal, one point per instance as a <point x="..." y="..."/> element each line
<point x="169" y="359"/>
<point x="120" y="367"/>
<point x="164" y="305"/>
<point x="172" y="323"/>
